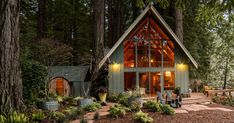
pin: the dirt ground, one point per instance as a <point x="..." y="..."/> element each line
<point x="204" y="116"/>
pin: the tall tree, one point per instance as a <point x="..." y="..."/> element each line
<point x="98" y="13"/>
<point x="178" y="15"/>
<point x="115" y="20"/>
<point x="41" y="19"/>
<point x="10" y="78"/>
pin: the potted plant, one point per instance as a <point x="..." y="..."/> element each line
<point x="86" y="100"/>
<point x="177" y="91"/>
<point x="47" y="101"/>
<point x="102" y="92"/>
<point x="135" y="97"/>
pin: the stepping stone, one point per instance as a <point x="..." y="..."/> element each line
<point x="196" y="107"/>
<point x="179" y="111"/>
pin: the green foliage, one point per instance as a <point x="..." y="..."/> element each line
<point x="16" y="118"/>
<point x="56" y="116"/>
<point x="223" y="100"/>
<point x="135" y="106"/>
<point x="113" y="97"/>
<point x="117" y="111"/>
<point x="152" y="105"/>
<point x="142" y="117"/>
<point x="167" y="109"/>
<point x="92" y="107"/>
<point x="2" y="119"/>
<point x="177" y="90"/>
<point x="123" y="99"/>
<point x="69" y="100"/>
<point x="38" y="116"/>
<point x="72" y="112"/>
<point x="96" y="116"/>
<point x="33" y="77"/>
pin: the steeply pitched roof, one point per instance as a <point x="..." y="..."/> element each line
<point x="71" y="73"/>
<point x="135" y="23"/>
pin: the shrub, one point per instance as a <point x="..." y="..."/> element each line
<point x="117" y="111"/>
<point x="216" y="99"/>
<point x="16" y="118"/>
<point x="142" y="117"/>
<point x="113" y="97"/>
<point x="167" y="109"/>
<point x="72" y="112"/>
<point x="92" y="107"/>
<point x="135" y="106"/>
<point x="33" y="77"/>
<point x="177" y="90"/>
<point x="2" y="119"/>
<point x="152" y="105"/>
<point x="56" y="116"/>
<point x="123" y="99"/>
<point x="38" y="116"/>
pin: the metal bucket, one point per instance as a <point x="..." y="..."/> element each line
<point x="51" y="105"/>
<point x="84" y="102"/>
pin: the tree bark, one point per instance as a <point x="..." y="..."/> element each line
<point x="10" y="75"/>
<point x="178" y="22"/>
<point x="41" y="19"/>
<point x="115" y="23"/>
<point x="99" y="11"/>
<point x="225" y="74"/>
<point x="110" y="23"/>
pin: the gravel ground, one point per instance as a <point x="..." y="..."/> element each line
<point x="205" y="116"/>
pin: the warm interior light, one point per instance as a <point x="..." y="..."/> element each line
<point x="132" y="65"/>
<point x="151" y="60"/>
<point x="168" y="73"/>
<point x="115" y="66"/>
<point x="181" y="66"/>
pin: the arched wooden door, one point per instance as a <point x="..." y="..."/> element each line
<point x="59" y="86"/>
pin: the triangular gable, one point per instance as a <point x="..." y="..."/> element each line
<point x="136" y="22"/>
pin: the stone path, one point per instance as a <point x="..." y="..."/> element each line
<point x="103" y="112"/>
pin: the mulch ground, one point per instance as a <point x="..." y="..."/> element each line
<point x="205" y="116"/>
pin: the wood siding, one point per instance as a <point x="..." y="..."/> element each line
<point x="116" y="71"/>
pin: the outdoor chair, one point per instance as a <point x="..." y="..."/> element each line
<point x="160" y="98"/>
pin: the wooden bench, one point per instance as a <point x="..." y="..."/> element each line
<point x="209" y="92"/>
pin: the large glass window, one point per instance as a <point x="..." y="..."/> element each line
<point x="129" y="54"/>
<point x="142" y="53"/>
<point x="144" y="83"/>
<point x="137" y="46"/>
<point x="129" y="81"/>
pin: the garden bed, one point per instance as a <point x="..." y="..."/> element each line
<point x="205" y="116"/>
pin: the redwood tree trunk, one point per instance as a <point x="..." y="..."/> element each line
<point x="41" y="19"/>
<point x="99" y="11"/>
<point x="10" y="77"/>
<point x="115" y="20"/>
<point x="179" y="22"/>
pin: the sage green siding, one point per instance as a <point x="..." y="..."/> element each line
<point x="181" y="70"/>
<point x="116" y="71"/>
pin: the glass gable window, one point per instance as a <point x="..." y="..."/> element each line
<point x="146" y="45"/>
<point x="129" y="54"/>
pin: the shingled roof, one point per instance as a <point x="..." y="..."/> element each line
<point x="71" y="73"/>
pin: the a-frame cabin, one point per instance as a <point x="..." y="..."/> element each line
<point x="147" y="50"/>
